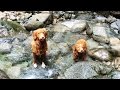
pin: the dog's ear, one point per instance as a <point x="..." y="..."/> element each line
<point x="34" y="34"/>
<point x="45" y="32"/>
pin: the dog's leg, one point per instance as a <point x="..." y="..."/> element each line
<point x="75" y="56"/>
<point x="35" y="60"/>
<point x="44" y="61"/>
<point x="84" y="56"/>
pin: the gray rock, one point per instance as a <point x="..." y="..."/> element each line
<point x="18" y="54"/>
<point x="114" y="25"/>
<point x="17" y="70"/>
<point x="21" y="36"/>
<point x="5" y="65"/>
<point x="58" y="37"/>
<point x="115" y="75"/>
<point x="60" y="28"/>
<point x="62" y="63"/>
<point x="99" y="31"/>
<point x="85" y="16"/>
<point x="101" y="39"/>
<point x="116" y="63"/>
<point x="101" y="19"/>
<point x="71" y="39"/>
<point x="100" y="54"/>
<point x="71" y="23"/>
<point x="79" y="27"/>
<point x="114" y="41"/>
<point x="5" y="48"/>
<point x="115" y="50"/>
<point x="111" y="19"/>
<point x="86" y="70"/>
<point x="53" y="50"/>
<point x="89" y="31"/>
<point x="92" y="44"/>
<point x="64" y="48"/>
<point x="3" y="75"/>
<point x="3" y="31"/>
<point x="37" y="20"/>
<point x="38" y="73"/>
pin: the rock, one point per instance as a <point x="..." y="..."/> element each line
<point x="89" y="31"/>
<point x="100" y="54"/>
<point x="79" y="27"/>
<point x="85" y="16"/>
<point x="5" y="65"/>
<point x="101" y="39"/>
<point x="101" y="19"/>
<point x="16" y="26"/>
<point x="116" y="50"/>
<point x="17" y="70"/>
<point x="62" y="63"/>
<point x="67" y="15"/>
<point x="21" y="36"/>
<point x="53" y="50"/>
<point x="38" y="73"/>
<point x="86" y="70"/>
<point x="111" y="19"/>
<point x="99" y="30"/>
<point x="115" y="13"/>
<point x="6" y="40"/>
<point x="116" y="63"/>
<point x="27" y="44"/>
<point x="115" y="75"/>
<point x="71" y="39"/>
<point x="5" y="48"/>
<point x="64" y="48"/>
<point x="60" y="28"/>
<point x="58" y="37"/>
<point x="114" y="25"/>
<point x="16" y="73"/>
<point x="92" y="44"/>
<point x="114" y="41"/>
<point x="18" y="54"/>
<point x="3" y="75"/>
<point x="37" y="20"/>
<point x="3" y="31"/>
<point x="101" y="77"/>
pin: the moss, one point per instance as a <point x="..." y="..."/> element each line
<point x="2" y="57"/>
<point x="13" y="25"/>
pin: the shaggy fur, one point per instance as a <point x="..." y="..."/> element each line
<point x="79" y="50"/>
<point x="39" y="46"/>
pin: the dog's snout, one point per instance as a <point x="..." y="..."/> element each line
<point x="41" y="37"/>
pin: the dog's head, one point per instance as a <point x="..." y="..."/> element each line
<point x="80" y="48"/>
<point x="40" y="34"/>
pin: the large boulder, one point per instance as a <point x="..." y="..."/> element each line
<point x="37" y="20"/>
<point x="86" y="70"/>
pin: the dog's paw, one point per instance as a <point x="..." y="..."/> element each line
<point x="35" y="65"/>
<point x="43" y="65"/>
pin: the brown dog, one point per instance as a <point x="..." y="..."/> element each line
<point x="39" y="47"/>
<point x="79" y="50"/>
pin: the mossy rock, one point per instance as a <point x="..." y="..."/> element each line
<point x="13" y="25"/>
